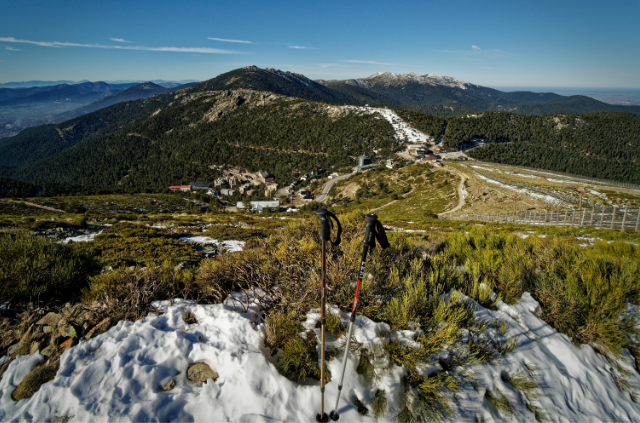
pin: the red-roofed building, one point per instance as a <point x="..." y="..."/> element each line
<point x="180" y="188"/>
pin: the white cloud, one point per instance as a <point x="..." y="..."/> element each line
<point x="12" y="49"/>
<point x="57" y="44"/>
<point x="303" y="48"/>
<point x="120" y="40"/>
<point x="477" y="52"/>
<point x="230" y="41"/>
<point x="366" y="62"/>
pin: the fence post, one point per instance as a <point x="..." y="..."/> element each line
<point x="593" y="209"/>
<point x="637" y="219"/>
<point x="624" y="218"/>
<point x="573" y="215"/>
<point x="613" y="216"/>
<point x="584" y="211"/>
<point x="565" y="218"/>
<point x="602" y="218"/>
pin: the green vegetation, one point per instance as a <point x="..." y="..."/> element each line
<point x="410" y="193"/>
<point x="601" y="144"/>
<point x="34" y="380"/>
<point x="32" y="267"/>
<point x="287" y="137"/>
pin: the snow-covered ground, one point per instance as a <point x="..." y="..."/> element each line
<point x="543" y="197"/>
<point x="116" y="376"/>
<point x="402" y="129"/>
<point x="231" y="246"/>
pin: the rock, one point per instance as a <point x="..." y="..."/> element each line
<point x="68" y="331"/>
<point x="56" y="340"/>
<point x="49" y="351"/>
<point x="99" y="328"/>
<point x="70" y="342"/>
<point x="200" y="372"/>
<point x="47" y="329"/>
<point x="62" y="419"/>
<point x="14" y="348"/>
<point x="35" y="347"/>
<point x="51" y="319"/>
<point x="168" y="386"/>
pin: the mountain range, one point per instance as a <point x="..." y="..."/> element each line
<point x="21" y="108"/>
<point x="288" y="124"/>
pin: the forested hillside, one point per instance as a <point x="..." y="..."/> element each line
<point x="245" y="128"/>
<point x="35" y="144"/>
<point x="599" y="144"/>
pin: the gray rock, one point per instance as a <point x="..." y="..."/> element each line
<point x="48" y="351"/>
<point x="47" y="329"/>
<point x="200" y="372"/>
<point x="14" y="348"/>
<point x="51" y="319"/>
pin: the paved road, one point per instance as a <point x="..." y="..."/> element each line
<point x="327" y="187"/>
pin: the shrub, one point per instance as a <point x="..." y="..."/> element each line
<point x="36" y="267"/>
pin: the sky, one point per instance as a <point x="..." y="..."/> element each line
<point x="564" y="44"/>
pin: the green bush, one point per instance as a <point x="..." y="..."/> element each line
<point x="32" y="267"/>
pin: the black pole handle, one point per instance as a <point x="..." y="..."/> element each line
<point x="326" y="226"/>
<point x="374" y="231"/>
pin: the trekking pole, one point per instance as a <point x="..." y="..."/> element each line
<point x="374" y="230"/>
<point x="326" y="226"/>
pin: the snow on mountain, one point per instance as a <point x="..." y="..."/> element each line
<point x="117" y="375"/>
<point x="389" y="78"/>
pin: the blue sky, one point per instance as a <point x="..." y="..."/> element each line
<point x="497" y="44"/>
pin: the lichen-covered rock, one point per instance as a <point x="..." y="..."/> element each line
<point x="50" y="319"/>
<point x="200" y="372"/>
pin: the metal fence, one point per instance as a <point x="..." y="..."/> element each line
<point x="608" y="218"/>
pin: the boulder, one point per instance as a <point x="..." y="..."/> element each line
<point x="35" y="347"/>
<point x="169" y="385"/>
<point x="200" y="372"/>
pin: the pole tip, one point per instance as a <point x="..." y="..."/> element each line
<point x="322" y="418"/>
<point x="334" y="416"/>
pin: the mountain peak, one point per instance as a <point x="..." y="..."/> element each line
<point x="389" y="78"/>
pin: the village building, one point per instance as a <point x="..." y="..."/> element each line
<point x="391" y="163"/>
<point x="417" y="151"/>
<point x="272" y="187"/>
<point x="185" y="188"/>
<point x="265" y="176"/>
<point x="227" y="191"/>
<point x="199" y="186"/>
<point x="260" y="205"/>
<point x="364" y="163"/>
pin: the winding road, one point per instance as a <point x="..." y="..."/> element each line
<point x="327" y="187"/>
<point x="461" y="201"/>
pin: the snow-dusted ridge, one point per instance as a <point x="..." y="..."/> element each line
<point x="389" y="78"/>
